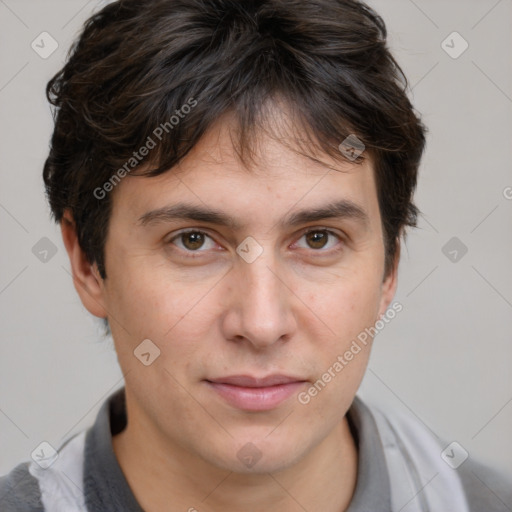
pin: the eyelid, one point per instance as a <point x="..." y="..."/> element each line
<point x="321" y="228"/>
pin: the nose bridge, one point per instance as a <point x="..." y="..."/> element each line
<point x="264" y="299"/>
<point x="261" y="279"/>
<point x="257" y="263"/>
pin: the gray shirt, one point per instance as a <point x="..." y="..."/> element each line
<point x="103" y="487"/>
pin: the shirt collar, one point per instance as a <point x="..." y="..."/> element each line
<point x="105" y="486"/>
<point x="373" y="484"/>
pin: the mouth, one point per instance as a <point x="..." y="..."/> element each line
<point x="250" y="393"/>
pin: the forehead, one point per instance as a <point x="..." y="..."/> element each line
<point x="277" y="179"/>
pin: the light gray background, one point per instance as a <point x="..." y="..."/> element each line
<point x="446" y="358"/>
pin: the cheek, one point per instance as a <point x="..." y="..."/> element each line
<point x="342" y="357"/>
<point x="347" y="307"/>
<point x="150" y="300"/>
<point x="176" y="315"/>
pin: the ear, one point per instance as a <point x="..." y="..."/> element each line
<point x="86" y="278"/>
<point x="390" y="282"/>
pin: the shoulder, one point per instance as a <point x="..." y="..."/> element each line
<point x="53" y="482"/>
<point x="485" y="487"/>
<point x="19" y="491"/>
<point x="434" y="472"/>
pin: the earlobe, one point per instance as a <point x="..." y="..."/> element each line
<point x="86" y="278"/>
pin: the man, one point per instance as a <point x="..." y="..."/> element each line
<point x="232" y="180"/>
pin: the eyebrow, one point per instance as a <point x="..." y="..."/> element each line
<point x="342" y="209"/>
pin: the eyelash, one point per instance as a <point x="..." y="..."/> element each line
<point x="192" y="254"/>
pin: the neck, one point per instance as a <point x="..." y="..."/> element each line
<point x="162" y="473"/>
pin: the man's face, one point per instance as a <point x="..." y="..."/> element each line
<point x="287" y="303"/>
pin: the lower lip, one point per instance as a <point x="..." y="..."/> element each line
<point x="256" y="399"/>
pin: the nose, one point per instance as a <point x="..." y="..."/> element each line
<point x="260" y="308"/>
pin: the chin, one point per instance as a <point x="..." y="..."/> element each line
<point x="259" y="456"/>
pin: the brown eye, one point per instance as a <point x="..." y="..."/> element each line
<point x="321" y="240"/>
<point x="317" y="239"/>
<point x="193" y="241"/>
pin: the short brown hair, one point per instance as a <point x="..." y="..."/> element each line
<point x="137" y="63"/>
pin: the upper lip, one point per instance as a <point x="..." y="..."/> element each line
<point x="256" y="382"/>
